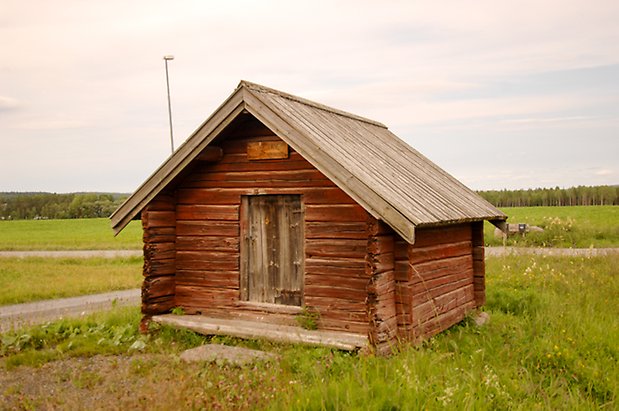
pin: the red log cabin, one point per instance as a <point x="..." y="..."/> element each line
<point x="278" y="209"/>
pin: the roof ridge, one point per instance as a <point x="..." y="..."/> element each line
<point x="264" y="89"/>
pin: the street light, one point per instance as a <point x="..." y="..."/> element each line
<point x="167" y="80"/>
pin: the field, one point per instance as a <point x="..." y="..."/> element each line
<point x="32" y="279"/>
<point x="578" y="226"/>
<point x="78" y="234"/>
<point x="551" y="343"/>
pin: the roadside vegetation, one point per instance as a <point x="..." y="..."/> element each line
<point x="76" y="234"/>
<point x="551" y="343"/>
<point x="577" y="227"/>
<point x="32" y="279"/>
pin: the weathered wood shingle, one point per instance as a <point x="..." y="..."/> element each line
<point x="390" y="179"/>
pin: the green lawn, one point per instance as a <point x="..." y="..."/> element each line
<point x="578" y="226"/>
<point x="77" y="234"/>
<point x="552" y="343"/>
<point x="31" y="279"/>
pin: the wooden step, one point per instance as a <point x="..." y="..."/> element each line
<point x="261" y="330"/>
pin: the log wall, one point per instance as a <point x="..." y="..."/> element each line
<point x="208" y="227"/>
<point x="434" y="280"/>
<point x="159" y="234"/>
<point x="381" y="302"/>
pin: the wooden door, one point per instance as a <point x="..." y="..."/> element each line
<point x="272" y="252"/>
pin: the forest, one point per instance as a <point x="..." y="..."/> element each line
<point x="573" y="196"/>
<point x="21" y="206"/>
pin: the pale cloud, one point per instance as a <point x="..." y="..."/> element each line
<point x="8" y="103"/>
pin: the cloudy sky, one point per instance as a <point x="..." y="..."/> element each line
<point x="502" y="94"/>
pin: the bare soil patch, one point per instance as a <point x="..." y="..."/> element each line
<point x="140" y="381"/>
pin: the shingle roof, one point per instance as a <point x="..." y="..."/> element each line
<point x="390" y="179"/>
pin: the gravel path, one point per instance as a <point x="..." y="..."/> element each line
<point x="14" y="316"/>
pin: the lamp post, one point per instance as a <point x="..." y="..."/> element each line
<point x="167" y="80"/>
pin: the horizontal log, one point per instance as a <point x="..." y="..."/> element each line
<point x="380" y="263"/>
<point x="160" y="251"/>
<point x="422" y="296"/>
<point x="433" y="269"/>
<point x="159" y="235"/>
<point x="337" y="267"/>
<point x="159" y="219"/>
<point x="420" y="255"/>
<point x="442" y="322"/>
<point x="206" y="243"/>
<point x="207" y="212"/>
<point x="258" y="177"/>
<point x="216" y="279"/>
<point x="211" y="228"/>
<point x="381" y="244"/>
<point x="262" y="184"/>
<point x="158" y="307"/>
<point x="241" y="159"/>
<point x="154" y="267"/>
<point x="341" y="213"/>
<point x="322" y="230"/>
<point x="239" y="163"/>
<point x="153" y="287"/>
<point x="443" y="303"/>
<point x="435" y="285"/>
<point x="202" y="196"/>
<point x="425" y="236"/>
<point x="207" y="260"/>
<point x="334" y="292"/>
<point x="335" y="248"/>
<point x="322" y="304"/>
<point x="354" y="282"/>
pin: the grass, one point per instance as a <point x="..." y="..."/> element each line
<point x="77" y="234"/>
<point x="31" y="279"/>
<point x="578" y="226"/>
<point x="551" y="343"/>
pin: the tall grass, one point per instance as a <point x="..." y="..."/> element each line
<point x="76" y="234"/>
<point x="551" y="343"/>
<point x="31" y="279"/>
<point x="577" y="226"/>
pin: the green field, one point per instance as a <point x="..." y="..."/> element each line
<point x="32" y="279"/>
<point x="577" y="226"/>
<point x="552" y="342"/>
<point x="77" y="234"/>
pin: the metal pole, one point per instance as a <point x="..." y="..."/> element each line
<point x="167" y="80"/>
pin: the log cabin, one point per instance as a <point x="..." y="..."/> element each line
<point x="279" y="211"/>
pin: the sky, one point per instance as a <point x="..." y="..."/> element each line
<point x="501" y="94"/>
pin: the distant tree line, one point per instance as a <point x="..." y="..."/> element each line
<point x="581" y="195"/>
<point x="20" y="206"/>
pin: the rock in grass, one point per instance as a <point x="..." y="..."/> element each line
<point x="482" y="318"/>
<point x="225" y="353"/>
